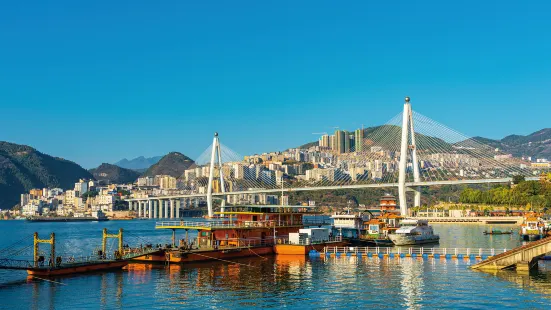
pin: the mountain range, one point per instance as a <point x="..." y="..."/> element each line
<point x="173" y="164"/>
<point x="23" y="168"/>
<point x="139" y="163"/>
<point x="114" y="174"/>
<point x="535" y="145"/>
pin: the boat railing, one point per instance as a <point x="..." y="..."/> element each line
<point x="309" y="241"/>
<point x="235" y="243"/>
<point x="233" y="224"/>
<point x="417" y="251"/>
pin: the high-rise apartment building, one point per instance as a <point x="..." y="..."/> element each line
<point x="324" y="141"/>
<point x="346" y="142"/>
<point x="339" y="141"/>
<point x="359" y="140"/>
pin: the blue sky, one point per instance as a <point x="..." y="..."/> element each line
<point x="97" y="81"/>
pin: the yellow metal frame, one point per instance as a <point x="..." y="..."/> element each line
<point x="114" y="236"/>
<point x="36" y="243"/>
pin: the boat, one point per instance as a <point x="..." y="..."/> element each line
<point x="76" y="268"/>
<point x="96" y="216"/>
<point x="241" y="231"/>
<point x="498" y="232"/>
<point x="532" y="229"/>
<point x="350" y="226"/>
<point x="54" y="265"/>
<point x="308" y="239"/>
<point x="379" y="229"/>
<point x="413" y="232"/>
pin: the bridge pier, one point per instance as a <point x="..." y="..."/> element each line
<point x="140" y="211"/>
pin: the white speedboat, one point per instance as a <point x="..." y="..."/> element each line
<point x="413" y="232"/>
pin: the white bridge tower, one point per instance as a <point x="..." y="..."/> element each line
<point x="215" y="150"/>
<point x="408" y="143"/>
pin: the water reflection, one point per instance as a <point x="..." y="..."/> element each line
<point x="291" y="281"/>
<point x="536" y="280"/>
<point x="412" y="282"/>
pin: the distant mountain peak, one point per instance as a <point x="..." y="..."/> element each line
<point x="139" y="163"/>
<point x="173" y="164"/>
<point x="114" y="174"/>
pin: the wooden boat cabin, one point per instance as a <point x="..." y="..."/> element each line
<point x="245" y="226"/>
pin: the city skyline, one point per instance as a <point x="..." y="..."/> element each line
<point x="143" y="80"/>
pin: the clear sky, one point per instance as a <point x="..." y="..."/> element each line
<point x="97" y="81"/>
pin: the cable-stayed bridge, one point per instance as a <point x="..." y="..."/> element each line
<point x="407" y="152"/>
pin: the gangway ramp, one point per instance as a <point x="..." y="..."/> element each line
<point x="522" y="258"/>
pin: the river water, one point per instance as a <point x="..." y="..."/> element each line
<point x="272" y="282"/>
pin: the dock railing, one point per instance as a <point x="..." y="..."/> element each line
<point x="418" y="251"/>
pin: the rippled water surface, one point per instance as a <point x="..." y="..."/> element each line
<point x="275" y="281"/>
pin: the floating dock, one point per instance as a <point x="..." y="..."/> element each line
<point x="397" y="252"/>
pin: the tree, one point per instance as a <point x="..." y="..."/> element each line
<point x="518" y="179"/>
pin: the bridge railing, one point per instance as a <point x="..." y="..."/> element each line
<point x="417" y="251"/>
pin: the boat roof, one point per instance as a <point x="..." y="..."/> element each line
<point x="413" y="221"/>
<point x="262" y="209"/>
<point x="390" y="216"/>
<point x="374" y="221"/>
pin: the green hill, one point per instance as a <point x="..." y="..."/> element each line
<point x="23" y="168"/>
<point x="537" y="144"/>
<point x="389" y="137"/>
<point x="172" y="164"/>
<point x="114" y="174"/>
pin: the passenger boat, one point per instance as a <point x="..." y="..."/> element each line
<point x="532" y="229"/>
<point x="412" y="232"/>
<point x="350" y="226"/>
<point x="379" y="229"/>
<point x="97" y="216"/>
<point x="306" y="240"/>
<point x="244" y="231"/>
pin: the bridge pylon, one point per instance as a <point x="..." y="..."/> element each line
<point x="215" y="151"/>
<point x="408" y="143"/>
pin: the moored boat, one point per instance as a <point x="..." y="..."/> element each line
<point x="379" y="229"/>
<point x="306" y="240"/>
<point x="243" y="231"/>
<point x="497" y="232"/>
<point x="97" y="216"/>
<point x="532" y="229"/>
<point x="412" y="232"/>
